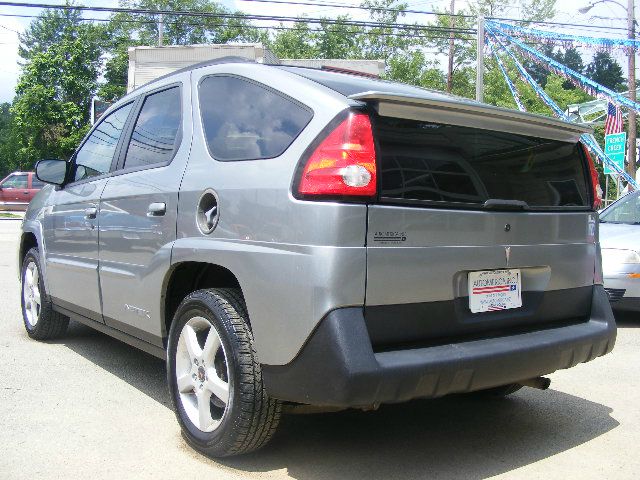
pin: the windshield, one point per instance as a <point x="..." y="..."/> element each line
<point x="625" y="210"/>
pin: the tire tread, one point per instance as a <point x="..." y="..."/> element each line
<point x="259" y="414"/>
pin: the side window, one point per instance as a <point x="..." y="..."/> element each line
<point x="16" y="181"/>
<point x="154" y="138"/>
<point x="35" y="183"/>
<point x="244" y="121"/>
<point x="95" y="156"/>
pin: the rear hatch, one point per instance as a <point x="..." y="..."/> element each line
<point x="474" y="195"/>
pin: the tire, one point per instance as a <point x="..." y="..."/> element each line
<point x="247" y="418"/>
<point x="38" y="316"/>
<point x="497" y="392"/>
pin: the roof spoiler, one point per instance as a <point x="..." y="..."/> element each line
<point x="460" y="111"/>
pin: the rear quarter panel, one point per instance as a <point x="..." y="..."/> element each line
<point x="294" y="260"/>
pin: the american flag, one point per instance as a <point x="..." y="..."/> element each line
<point x="614" y="120"/>
<point x="493" y="289"/>
<point x="496" y="308"/>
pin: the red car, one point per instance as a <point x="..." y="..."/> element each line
<point x="17" y="190"/>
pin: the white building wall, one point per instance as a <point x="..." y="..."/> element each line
<point x="149" y="63"/>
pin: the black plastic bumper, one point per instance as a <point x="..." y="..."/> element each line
<point x="338" y="367"/>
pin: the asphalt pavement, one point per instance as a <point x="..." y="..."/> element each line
<point x="88" y="406"/>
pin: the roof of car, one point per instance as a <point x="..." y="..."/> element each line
<point x="363" y="87"/>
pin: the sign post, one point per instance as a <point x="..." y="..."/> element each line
<point x="615" y="148"/>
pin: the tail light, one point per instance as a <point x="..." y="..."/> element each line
<point x="344" y="164"/>
<point x="595" y="184"/>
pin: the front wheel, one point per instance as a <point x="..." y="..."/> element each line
<point x="40" y="320"/>
<point x="214" y="376"/>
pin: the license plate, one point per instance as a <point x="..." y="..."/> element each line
<point x="494" y="290"/>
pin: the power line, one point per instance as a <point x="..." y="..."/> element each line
<point x="297" y="19"/>
<point x="579" y="25"/>
<point x="359" y="7"/>
<point x="459" y="36"/>
<point x="10" y="29"/>
<point x="241" y="16"/>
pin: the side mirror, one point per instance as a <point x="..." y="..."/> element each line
<point x="52" y="171"/>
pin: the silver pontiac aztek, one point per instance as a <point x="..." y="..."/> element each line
<point x="295" y="239"/>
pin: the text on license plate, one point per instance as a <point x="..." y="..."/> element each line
<point x="494" y="290"/>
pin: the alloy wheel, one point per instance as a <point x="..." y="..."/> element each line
<point x="202" y="374"/>
<point x="31" y="293"/>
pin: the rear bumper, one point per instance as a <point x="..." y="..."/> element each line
<point x="338" y="367"/>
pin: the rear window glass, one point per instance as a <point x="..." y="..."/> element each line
<point x="154" y="138"/>
<point x="456" y="165"/>
<point x="245" y="121"/>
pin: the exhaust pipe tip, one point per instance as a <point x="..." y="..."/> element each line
<point x="541" y="383"/>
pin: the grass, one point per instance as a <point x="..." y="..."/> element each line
<point x="8" y="215"/>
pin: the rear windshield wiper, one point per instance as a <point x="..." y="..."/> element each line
<point x="506" y="204"/>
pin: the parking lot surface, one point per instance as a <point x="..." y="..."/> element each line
<point x="90" y="406"/>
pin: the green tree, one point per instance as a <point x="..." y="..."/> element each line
<point x="8" y="141"/>
<point x="53" y="95"/>
<point x="605" y="70"/>
<point x="573" y="60"/>
<point x="562" y="96"/>
<point x="414" y="69"/>
<point x="298" y="42"/>
<point x="126" y="30"/>
<point x="464" y="56"/>
<point x="538" y="71"/>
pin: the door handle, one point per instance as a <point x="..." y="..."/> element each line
<point x="90" y="213"/>
<point x="25" y="193"/>
<point x="157" y="209"/>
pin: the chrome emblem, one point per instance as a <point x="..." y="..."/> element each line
<point x="507" y="254"/>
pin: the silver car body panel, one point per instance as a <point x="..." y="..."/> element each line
<point x="551" y="249"/>
<point x="71" y="246"/>
<point x="135" y="244"/>
<point x="621" y="276"/>
<point x="295" y="260"/>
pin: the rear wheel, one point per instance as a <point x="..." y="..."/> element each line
<point x="215" y="378"/>
<point x="40" y="320"/>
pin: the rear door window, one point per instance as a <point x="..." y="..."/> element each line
<point x="462" y="166"/>
<point x="156" y="133"/>
<point x="246" y="121"/>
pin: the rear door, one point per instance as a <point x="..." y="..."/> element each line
<point x="467" y="193"/>
<point x="138" y="212"/>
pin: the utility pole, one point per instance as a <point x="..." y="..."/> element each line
<point x="452" y="23"/>
<point x="631" y="26"/>
<point x="480" y="60"/>
<point x="160" y="29"/>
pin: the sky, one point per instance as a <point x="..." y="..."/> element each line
<point x="567" y="11"/>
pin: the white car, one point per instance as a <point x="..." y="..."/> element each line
<point x="620" y="244"/>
